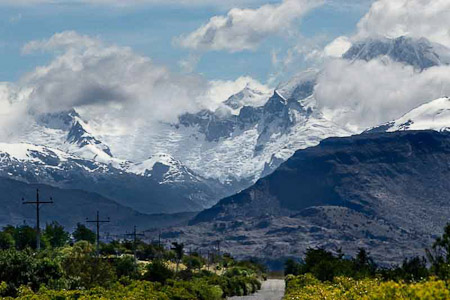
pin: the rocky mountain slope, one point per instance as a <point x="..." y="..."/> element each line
<point x="361" y="191"/>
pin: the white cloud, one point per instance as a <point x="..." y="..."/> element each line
<point x="13" y="109"/>
<point x="221" y="90"/>
<point x="362" y="94"/>
<point x="109" y="84"/>
<point x="108" y="78"/>
<point x="245" y="29"/>
<point x="415" y="18"/>
<point x="337" y="47"/>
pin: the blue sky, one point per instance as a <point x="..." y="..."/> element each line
<point x="150" y="29"/>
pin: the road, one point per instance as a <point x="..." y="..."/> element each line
<point x="272" y="289"/>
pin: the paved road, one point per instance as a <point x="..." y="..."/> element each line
<point x="272" y="289"/>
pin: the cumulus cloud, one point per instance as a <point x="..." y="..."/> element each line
<point x="109" y="84"/>
<point x="337" y="47"/>
<point x="89" y="73"/>
<point x="245" y="29"/>
<point x="363" y="94"/>
<point x="415" y="18"/>
<point x="13" y="110"/>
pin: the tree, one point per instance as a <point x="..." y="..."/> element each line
<point x="178" y="249"/>
<point x="193" y="262"/>
<point x="25" y="237"/>
<point x="291" y="267"/>
<point x="56" y="235"/>
<point x="126" y="267"/>
<point x="19" y="268"/>
<point x="6" y="240"/>
<point x="439" y="255"/>
<point x="363" y="264"/>
<point x="82" y="233"/>
<point x="157" y="271"/>
<point x="84" y="269"/>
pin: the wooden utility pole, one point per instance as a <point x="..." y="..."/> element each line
<point x="135" y="235"/>
<point x="98" y="222"/>
<point x="38" y="203"/>
<point x="218" y="248"/>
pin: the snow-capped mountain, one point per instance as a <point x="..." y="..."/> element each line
<point x="247" y="97"/>
<point x="238" y="149"/>
<point x="69" y="132"/>
<point x="203" y="156"/>
<point x="419" y="53"/>
<point x="160" y="184"/>
<point x="434" y="115"/>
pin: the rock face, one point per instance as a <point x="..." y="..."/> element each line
<point x="387" y="192"/>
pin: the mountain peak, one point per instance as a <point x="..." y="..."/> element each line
<point x="299" y="87"/>
<point x="419" y="53"/>
<point x="248" y="96"/>
<point x="434" y="115"/>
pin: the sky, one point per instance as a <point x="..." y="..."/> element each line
<point x="152" y="29"/>
<point x="127" y="64"/>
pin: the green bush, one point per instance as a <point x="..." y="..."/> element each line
<point x="158" y="271"/>
<point x="19" y="268"/>
<point x="126" y="266"/>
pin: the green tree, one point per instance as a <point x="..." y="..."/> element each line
<point x="25" y="237"/>
<point x="158" y="271"/>
<point x="439" y="255"/>
<point x="84" y="269"/>
<point x="363" y="264"/>
<point x="126" y="267"/>
<point x="6" y="240"/>
<point x="178" y="249"/>
<point x="291" y="267"/>
<point x="193" y="262"/>
<point x="19" y="268"/>
<point x="82" y="233"/>
<point x="55" y="234"/>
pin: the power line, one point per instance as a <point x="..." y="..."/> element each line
<point x="98" y="222"/>
<point x="38" y="203"/>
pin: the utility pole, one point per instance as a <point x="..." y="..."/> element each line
<point x="98" y="222"/>
<point x="135" y="235"/>
<point x="38" y="203"/>
<point x="159" y="239"/>
<point x="218" y="248"/>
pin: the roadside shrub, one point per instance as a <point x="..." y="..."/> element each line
<point x="158" y="271"/>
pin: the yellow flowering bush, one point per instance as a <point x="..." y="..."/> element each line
<point x="306" y="287"/>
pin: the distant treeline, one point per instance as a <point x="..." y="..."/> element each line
<point x="325" y="265"/>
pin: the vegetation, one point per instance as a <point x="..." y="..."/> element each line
<point x="342" y="288"/>
<point x="67" y="269"/>
<point x="324" y="275"/>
